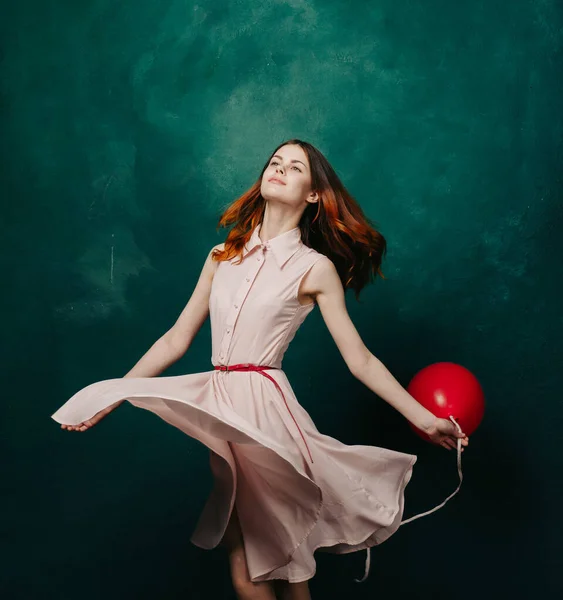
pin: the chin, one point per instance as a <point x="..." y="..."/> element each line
<point x="271" y="191"/>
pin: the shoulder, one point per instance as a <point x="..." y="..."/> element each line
<point x="211" y="264"/>
<point x="320" y="262"/>
<point x="312" y="256"/>
<point x="322" y="276"/>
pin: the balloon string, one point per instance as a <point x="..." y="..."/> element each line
<point x="458" y="487"/>
<point x="460" y="473"/>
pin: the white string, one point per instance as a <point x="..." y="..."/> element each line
<point x="368" y="550"/>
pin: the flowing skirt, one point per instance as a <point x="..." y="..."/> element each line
<point x="292" y="498"/>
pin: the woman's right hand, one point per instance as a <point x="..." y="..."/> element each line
<point x="91" y="422"/>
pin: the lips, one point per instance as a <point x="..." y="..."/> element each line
<point x="276" y="180"/>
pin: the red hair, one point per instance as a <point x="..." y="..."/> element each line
<point x="335" y="226"/>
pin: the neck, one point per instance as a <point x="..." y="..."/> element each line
<point x="277" y="221"/>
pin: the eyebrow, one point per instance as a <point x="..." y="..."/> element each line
<point x="291" y="161"/>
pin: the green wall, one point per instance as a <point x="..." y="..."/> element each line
<point x="130" y="125"/>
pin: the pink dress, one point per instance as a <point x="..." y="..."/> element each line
<point x="296" y="489"/>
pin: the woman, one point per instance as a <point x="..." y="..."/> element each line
<point x="282" y="489"/>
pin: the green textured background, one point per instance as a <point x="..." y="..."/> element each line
<point x="130" y="125"/>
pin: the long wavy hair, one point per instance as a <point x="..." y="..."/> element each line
<point x="335" y="226"/>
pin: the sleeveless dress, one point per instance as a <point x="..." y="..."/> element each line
<point x="296" y="490"/>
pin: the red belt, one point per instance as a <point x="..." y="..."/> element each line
<point x="260" y="369"/>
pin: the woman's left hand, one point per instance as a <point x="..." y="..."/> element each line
<point x="444" y="433"/>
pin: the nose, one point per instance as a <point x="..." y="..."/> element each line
<point x="279" y="169"/>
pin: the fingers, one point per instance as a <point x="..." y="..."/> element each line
<point x="79" y="427"/>
<point x="451" y="443"/>
<point x="85" y="424"/>
<point x="447" y="445"/>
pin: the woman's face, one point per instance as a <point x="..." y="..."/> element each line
<point x="287" y="177"/>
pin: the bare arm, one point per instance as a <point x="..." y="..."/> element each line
<point x="171" y="346"/>
<point x="323" y="284"/>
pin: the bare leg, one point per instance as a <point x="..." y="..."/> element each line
<point x="295" y="591"/>
<point x="245" y="589"/>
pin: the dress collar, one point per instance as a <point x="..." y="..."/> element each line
<point x="283" y="246"/>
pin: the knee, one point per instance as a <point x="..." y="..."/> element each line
<point x="239" y="574"/>
<point x="246" y="590"/>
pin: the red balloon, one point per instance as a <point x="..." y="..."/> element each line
<point x="449" y="390"/>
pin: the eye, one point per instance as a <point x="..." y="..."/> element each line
<point x="274" y="162"/>
<point x="294" y="167"/>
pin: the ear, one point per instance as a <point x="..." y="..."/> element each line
<point x="312" y="198"/>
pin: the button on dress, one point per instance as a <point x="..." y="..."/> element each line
<point x="296" y="490"/>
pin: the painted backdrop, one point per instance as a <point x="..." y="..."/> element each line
<point x="126" y="127"/>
